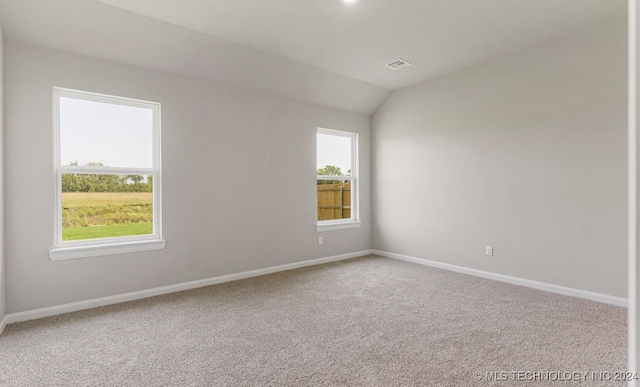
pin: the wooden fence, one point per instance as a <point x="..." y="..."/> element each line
<point x="334" y="201"/>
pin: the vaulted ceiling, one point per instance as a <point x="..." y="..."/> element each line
<point x="328" y="52"/>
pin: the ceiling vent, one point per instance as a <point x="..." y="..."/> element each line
<point x="398" y="64"/>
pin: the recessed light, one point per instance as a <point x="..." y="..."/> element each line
<point x="349" y="1"/>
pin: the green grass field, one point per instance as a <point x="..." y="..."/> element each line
<point x="107" y="231"/>
<point x="93" y="215"/>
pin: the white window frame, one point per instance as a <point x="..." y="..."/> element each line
<point x="106" y="246"/>
<point x="354" y="221"/>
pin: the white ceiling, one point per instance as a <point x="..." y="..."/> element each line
<point x="321" y="51"/>
<point x="357" y="39"/>
<point x="94" y="29"/>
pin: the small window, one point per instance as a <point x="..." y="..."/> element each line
<point x="108" y="181"/>
<point x="337" y="177"/>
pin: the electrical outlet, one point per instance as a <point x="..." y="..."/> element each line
<point x="488" y="250"/>
<point x="320" y="241"/>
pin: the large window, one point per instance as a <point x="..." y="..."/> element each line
<point x="337" y="175"/>
<point x="107" y="158"/>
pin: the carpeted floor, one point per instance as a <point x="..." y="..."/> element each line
<point x="367" y="322"/>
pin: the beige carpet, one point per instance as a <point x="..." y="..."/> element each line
<point x="366" y="322"/>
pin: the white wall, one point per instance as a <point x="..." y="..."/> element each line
<point x="526" y="153"/>
<point x="238" y="180"/>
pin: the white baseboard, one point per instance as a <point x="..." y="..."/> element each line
<point x="97" y="302"/>
<point x="617" y="301"/>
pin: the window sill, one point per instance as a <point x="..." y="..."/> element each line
<point x="75" y="252"/>
<point x="337" y="226"/>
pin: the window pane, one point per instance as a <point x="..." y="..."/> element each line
<point x="106" y="206"/>
<point x="334" y="199"/>
<point x="334" y="155"/>
<point x="110" y="134"/>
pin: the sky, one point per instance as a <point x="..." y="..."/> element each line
<point x="334" y="150"/>
<point x="115" y="135"/>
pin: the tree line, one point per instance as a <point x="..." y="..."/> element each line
<point x="81" y="182"/>
<point x="331" y="170"/>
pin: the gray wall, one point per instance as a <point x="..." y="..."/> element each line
<point x="526" y="153"/>
<point x="2" y="275"/>
<point x="238" y="177"/>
